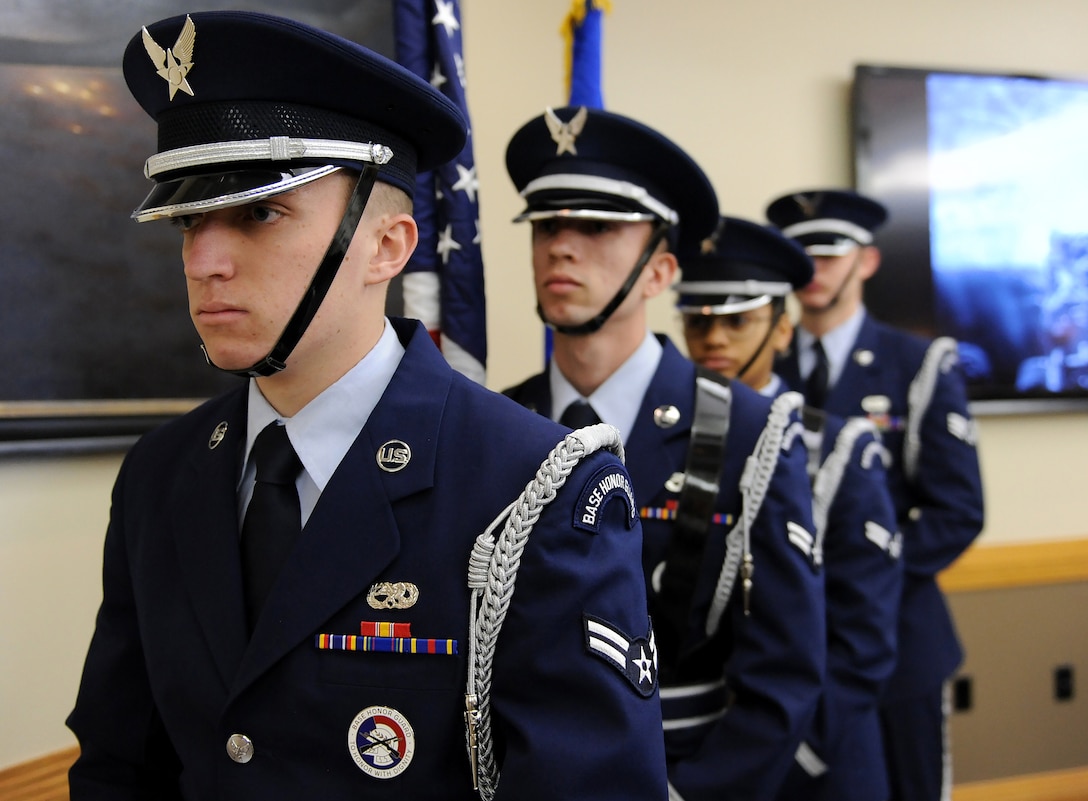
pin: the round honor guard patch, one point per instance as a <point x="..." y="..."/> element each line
<point x="381" y="741"/>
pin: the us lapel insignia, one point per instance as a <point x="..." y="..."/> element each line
<point x="394" y="456"/>
<point x="393" y="595"/>
<point x="565" y="133"/>
<point x="217" y="436"/>
<point x="864" y="357"/>
<point x="173" y="63"/>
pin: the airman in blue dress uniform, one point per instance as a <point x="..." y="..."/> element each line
<point x="732" y="295"/>
<point x="336" y="650"/>
<point x="736" y="595"/>
<point x="914" y="391"/>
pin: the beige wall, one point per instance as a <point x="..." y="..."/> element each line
<point x="757" y="92"/>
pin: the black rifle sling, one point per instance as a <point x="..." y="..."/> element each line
<point x="814" y="420"/>
<point x="698" y="497"/>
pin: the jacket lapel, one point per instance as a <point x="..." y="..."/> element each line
<point x="860" y="375"/>
<point x="204" y="519"/>
<point x="353" y="533"/>
<point x="788" y="369"/>
<point x="672" y="385"/>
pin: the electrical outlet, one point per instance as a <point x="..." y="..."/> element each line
<point x="962" y="693"/>
<point x="1063" y="683"/>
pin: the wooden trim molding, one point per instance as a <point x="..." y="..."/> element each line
<point x="991" y="567"/>
<point x="46" y="779"/>
<point x="1058" y="785"/>
<point x="41" y="779"/>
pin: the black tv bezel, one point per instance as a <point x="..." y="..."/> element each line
<point x="892" y="296"/>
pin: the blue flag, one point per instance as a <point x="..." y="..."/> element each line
<point x="582" y="32"/>
<point x="444" y="281"/>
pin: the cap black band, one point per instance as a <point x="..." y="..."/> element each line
<point x="247" y="120"/>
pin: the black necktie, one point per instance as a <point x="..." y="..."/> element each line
<point x="273" y="519"/>
<point x="579" y="414"/>
<point x="816" y="385"/>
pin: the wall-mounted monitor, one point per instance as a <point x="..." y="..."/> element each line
<point x="985" y="176"/>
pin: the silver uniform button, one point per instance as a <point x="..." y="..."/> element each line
<point x="240" y="748"/>
<point x="666" y="416"/>
<point x="675" y="482"/>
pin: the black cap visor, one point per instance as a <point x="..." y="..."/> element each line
<point x="200" y="193"/>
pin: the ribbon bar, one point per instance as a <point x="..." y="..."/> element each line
<point x="387" y="645"/>
<point x="370" y="628"/>
<point x="668" y="512"/>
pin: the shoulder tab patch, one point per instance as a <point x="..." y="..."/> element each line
<point x="801" y="539"/>
<point x="963" y="428"/>
<point x="607" y="484"/>
<point x="634" y="658"/>
<point x="891" y="543"/>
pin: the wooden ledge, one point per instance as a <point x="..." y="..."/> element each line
<point x="1058" y="785"/>
<point x="42" y="779"/>
<point x="990" y="567"/>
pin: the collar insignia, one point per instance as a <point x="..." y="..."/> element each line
<point x="217" y="436"/>
<point x="174" y="63"/>
<point x="564" y="133"/>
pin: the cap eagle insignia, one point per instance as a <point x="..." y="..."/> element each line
<point x="709" y="246"/>
<point x="808" y="203"/>
<point x="174" y="63"/>
<point x="564" y="133"/>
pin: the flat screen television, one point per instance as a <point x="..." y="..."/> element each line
<point x="985" y="177"/>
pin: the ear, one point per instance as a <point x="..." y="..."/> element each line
<point x="782" y="335"/>
<point x="662" y="269"/>
<point x="870" y="262"/>
<point x="395" y="240"/>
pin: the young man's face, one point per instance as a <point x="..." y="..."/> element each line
<point x="725" y="343"/>
<point x="837" y="280"/>
<point x="579" y="265"/>
<point x="246" y="267"/>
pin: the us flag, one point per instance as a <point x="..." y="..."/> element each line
<point x="443" y="283"/>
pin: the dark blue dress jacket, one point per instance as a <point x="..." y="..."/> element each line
<point x="842" y="758"/>
<point x="934" y="482"/>
<point x="733" y="723"/>
<point x="171" y="673"/>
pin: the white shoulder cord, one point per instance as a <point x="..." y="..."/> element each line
<point x="940" y="358"/>
<point x="492" y="571"/>
<point x="754" y="484"/>
<point x="829" y="477"/>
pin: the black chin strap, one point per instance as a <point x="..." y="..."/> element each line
<point x="766" y="338"/>
<point x="315" y="293"/>
<point x="842" y="287"/>
<point x="595" y="324"/>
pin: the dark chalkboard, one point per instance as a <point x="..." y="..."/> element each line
<point x="95" y="337"/>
